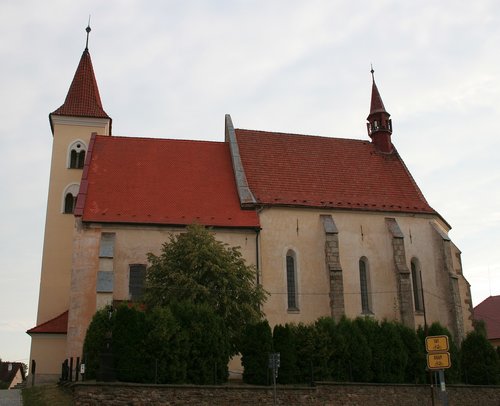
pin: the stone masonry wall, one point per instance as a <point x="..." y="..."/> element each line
<point x="332" y="258"/>
<point x="402" y="274"/>
<point x="331" y="394"/>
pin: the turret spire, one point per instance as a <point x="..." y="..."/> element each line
<point x="379" y="123"/>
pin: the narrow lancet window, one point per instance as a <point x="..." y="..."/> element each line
<point x="364" y="284"/>
<point x="291" y="281"/>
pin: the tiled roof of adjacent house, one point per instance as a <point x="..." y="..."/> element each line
<point x="8" y="371"/>
<point x="489" y="311"/>
<point x="83" y="98"/>
<point x="312" y="171"/>
<point x="160" y="181"/>
<point x="57" y="325"/>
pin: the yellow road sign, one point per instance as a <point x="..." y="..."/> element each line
<point x="438" y="360"/>
<point x="436" y="343"/>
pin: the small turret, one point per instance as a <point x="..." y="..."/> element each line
<point x="379" y="124"/>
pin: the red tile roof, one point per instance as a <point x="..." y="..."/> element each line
<point x="160" y="181"/>
<point x="312" y="171"/>
<point x="83" y="98"/>
<point x="57" y="325"/>
<point x="8" y="371"/>
<point x="489" y="311"/>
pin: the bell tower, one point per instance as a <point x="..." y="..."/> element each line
<point x="72" y="125"/>
<point x="379" y="124"/>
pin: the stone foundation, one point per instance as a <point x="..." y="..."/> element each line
<point x="331" y="394"/>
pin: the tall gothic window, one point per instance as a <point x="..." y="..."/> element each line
<point x="364" y="285"/>
<point x="77" y="155"/>
<point x="291" y="280"/>
<point x="416" y="279"/>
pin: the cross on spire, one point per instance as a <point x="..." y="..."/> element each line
<point x="88" y="29"/>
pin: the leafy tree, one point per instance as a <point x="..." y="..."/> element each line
<point x="256" y="345"/>
<point x="194" y="266"/>
<point x="480" y="363"/>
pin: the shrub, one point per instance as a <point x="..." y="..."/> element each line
<point x="208" y="347"/>
<point x="95" y="340"/>
<point x="480" y="363"/>
<point x="256" y="345"/>
<point x="129" y="335"/>
<point x="284" y="343"/>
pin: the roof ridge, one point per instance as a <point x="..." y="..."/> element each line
<point x="126" y="137"/>
<point x="306" y="135"/>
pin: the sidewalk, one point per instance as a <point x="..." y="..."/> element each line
<point x="10" y="397"/>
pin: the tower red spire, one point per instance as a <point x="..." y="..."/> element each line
<point x="83" y="99"/>
<point x="379" y="123"/>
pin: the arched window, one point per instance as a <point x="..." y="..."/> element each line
<point x="364" y="284"/>
<point x="416" y="279"/>
<point x="69" y="203"/>
<point x="76" y="158"/>
<point x="69" y="198"/>
<point x="291" y="280"/>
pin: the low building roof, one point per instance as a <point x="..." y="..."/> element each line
<point x="57" y="325"/>
<point x="9" y="370"/>
<point x="489" y="311"/>
<point x="160" y="181"/>
<point x="313" y="171"/>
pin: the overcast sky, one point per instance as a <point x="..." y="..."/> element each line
<point x="172" y="69"/>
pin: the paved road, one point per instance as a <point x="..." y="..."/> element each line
<point x="11" y="397"/>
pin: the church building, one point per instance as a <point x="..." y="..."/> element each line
<point x="333" y="226"/>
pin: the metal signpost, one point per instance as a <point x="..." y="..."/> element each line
<point x="438" y="359"/>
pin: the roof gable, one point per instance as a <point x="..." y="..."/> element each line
<point x="160" y="181"/>
<point x="312" y="171"/>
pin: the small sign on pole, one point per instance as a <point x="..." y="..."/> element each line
<point x="438" y="360"/>
<point x="437" y="343"/>
<point x="437" y="348"/>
